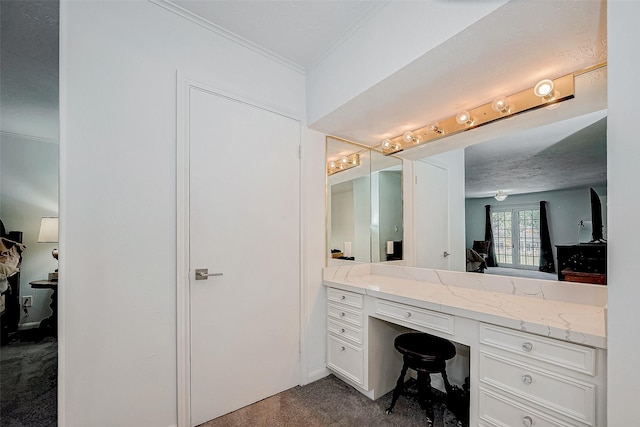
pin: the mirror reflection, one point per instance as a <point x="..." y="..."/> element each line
<point x="364" y="204"/>
<point x="386" y="208"/>
<point x="534" y="204"/>
<point x="543" y="192"/>
<point x="348" y="203"/>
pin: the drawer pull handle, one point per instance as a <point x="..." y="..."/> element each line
<point x="527" y="379"/>
<point x="342" y="331"/>
<point x="527" y="347"/>
<point x="342" y="297"/>
<point x="527" y="421"/>
<point x="408" y="314"/>
<point x="342" y="348"/>
<point x="342" y="314"/>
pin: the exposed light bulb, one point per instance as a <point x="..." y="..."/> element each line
<point x="409" y="138"/>
<point x="344" y="159"/>
<point x="464" y="118"/>
<point x="332" y="165"/>
<point x="500" y="105"/>
<point x="544" y="89"/>
<point x="387" y="144"/>
<point x="434" y="127"/>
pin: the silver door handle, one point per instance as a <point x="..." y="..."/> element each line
<point x="445" y="254"/>
<point x="203" y="274"/>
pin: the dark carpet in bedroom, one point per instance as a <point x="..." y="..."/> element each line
<point x="28" y="382"/>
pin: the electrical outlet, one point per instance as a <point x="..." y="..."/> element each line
<point x="27" y="300"/>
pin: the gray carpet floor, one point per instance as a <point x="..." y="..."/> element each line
<point x="331" y="402"/>
<point x="28" y="383"/>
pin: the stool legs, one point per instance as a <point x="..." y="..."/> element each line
<point x="424" y="395"/>
<point x="424" y="391"/>
<point x="447" y="386"/>
<point x="399" y="387"/>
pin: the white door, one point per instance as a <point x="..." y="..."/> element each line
<point x="431" y="215"/>
<point x="244" y="222"/>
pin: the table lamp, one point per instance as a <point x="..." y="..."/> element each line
<point x="49" y="234"/>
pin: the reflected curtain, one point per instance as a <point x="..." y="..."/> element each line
<point x="488" y="236"/>
<point x="546" y="251"/>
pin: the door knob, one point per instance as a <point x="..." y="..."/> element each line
<point x="445" y="254"/>
<point x="203" y="274"/>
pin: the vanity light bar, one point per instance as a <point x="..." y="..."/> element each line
<point x="503" y="107"/>
<point x="343" y="163"/>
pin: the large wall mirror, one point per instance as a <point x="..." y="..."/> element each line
<point x="501" y="180"/>
<point x="364" y="204"/>
<point x="550" y="164"/>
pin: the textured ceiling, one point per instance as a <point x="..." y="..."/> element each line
<point x="567" y="154"/>
<point x="29" y="68"/>
<point x="302" y="32"/>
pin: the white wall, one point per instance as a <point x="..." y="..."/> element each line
<point x="564" y="209"/>
<point x="397" y="35"/>
<point x="623" y="153"/>
<point x="29" y="191"/>
<point x="118" y="197"/>
<point x="314" y="256"/>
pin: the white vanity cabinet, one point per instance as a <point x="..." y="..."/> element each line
<point x="345" y="334"/>
<point x="532" y="360"/>
<point x="530" y="380"/>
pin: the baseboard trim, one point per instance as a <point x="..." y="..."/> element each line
<point x="316" y="375"/>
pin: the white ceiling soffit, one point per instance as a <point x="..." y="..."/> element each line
<point x="301" y="33"/>
<point x="507" y="51"/>
<point x="29" y="68"/>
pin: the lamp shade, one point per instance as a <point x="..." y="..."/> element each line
<point x="48" y="230"/>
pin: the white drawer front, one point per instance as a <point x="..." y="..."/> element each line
<point x="344" y="297"/>
<point x="573" y="398"/>
<point x="345" y="331"/>
<point x="500" y="411"/>
<point x="571" y="356"/>
<point x="346" y="359"/>
<point x="345" y="314"/>
<point x="416" y="316"/>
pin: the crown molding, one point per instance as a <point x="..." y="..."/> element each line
<point x="196" y="19"/>
<point x="347" y="34"/>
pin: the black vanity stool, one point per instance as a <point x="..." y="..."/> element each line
<point x="426" y="355"/>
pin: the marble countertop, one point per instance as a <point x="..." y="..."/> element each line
<point x="562" y="310"/>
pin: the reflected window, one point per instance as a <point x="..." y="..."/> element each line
<point x="516" y="234"/>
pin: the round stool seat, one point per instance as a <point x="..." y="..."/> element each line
<point x="423" y="347"/>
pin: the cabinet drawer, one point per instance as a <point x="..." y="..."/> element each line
<point x="416" y="316"/>
<point x="346" y="359"/>
<point x="345" y="297"/>
<point x="345" y="331"/>
<point x="499" y="411"/>
<point x="345" y="314"/>
<point x="566" y="355"/>
<point x="565" y="395"/>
